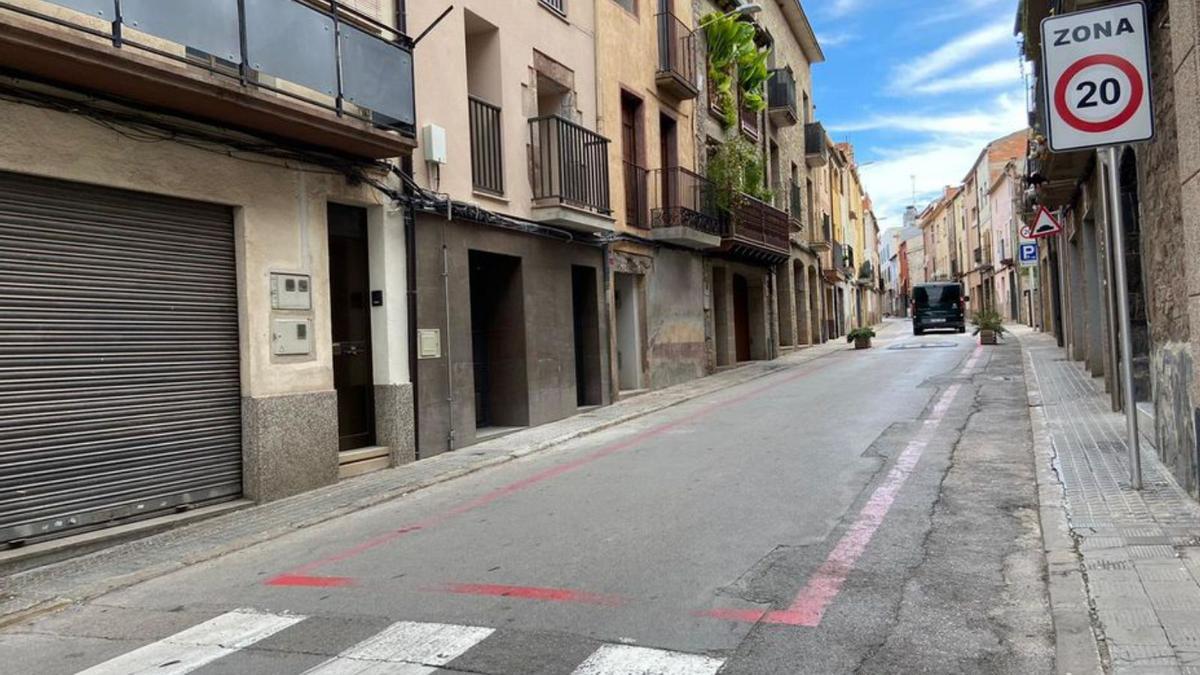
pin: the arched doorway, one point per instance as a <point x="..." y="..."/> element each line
<point x="1139" y="313"/>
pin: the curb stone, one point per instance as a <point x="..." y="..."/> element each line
<point x="1076" y="642"/>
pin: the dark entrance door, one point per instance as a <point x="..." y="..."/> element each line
<point x="741" y="317"/>
<point x="350" y="323"/>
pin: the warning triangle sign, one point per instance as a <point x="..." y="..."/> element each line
<point x="1045" y="225"/>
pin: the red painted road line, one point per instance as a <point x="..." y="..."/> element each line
<point x="532" y="593"/>
<point x="823" y="587"/>
<point x="547" y="474"/>
<point x="311" y="582"/>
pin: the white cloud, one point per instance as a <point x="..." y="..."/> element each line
<point x="950" y="56"/>
<point x="1004" y="74"/>
<point x="948" y="146"/>
<point x="841" y="8"/>
<point x="835" y="39"/>
<point x="999" y="117"/>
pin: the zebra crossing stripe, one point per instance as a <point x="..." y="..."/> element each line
<point x="405" y="648"/>
<point x="199" y="645"/>
<point x="627" y="660"/>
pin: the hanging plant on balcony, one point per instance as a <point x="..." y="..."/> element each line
<point x="737" y="169"/>
<point x="735" y="65"/>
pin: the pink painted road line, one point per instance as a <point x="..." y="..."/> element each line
<point x="533" y="593"/>
<point x="303" y="571"/>
<point x="823" y="587"/>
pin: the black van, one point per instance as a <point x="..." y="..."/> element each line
<point x="939" y="305"/>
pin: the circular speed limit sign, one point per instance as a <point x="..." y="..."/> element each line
<point x="1099" y="93"/>
<point x="1097" y="74"/>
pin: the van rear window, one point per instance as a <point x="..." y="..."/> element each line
<point x="937" y="296"/>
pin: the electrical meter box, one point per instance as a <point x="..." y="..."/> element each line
<point x="291" y="337"/>
<point x="291" y="291"/>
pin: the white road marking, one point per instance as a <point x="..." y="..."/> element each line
<point x="405" y="648"/>
<point x="199" y="645"/>
<point x="627" y="660"/>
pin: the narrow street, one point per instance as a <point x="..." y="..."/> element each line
<point x="863" y="512"/>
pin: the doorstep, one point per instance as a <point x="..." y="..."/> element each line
<point x="45" y="552"/>
<point x="353" y="463"/>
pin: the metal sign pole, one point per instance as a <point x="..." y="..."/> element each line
<point x="1122" y="293"/>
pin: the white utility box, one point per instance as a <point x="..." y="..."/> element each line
<point x="291" y="337"/>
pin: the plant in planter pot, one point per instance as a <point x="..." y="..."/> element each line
<point x="989" y="326"/>
<point x="861" y="337"/>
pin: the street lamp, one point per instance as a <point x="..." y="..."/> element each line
<point x="744" y="9"/>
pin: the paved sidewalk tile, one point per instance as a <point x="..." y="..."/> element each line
<point x="1140" y="550"/>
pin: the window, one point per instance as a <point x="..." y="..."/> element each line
<point x="628" y="5"/>
<point x="557" y="6"/>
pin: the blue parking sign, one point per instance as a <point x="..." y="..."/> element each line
<point x="1029" y="254"/>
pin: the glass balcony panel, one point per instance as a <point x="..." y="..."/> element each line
<point x="374" y="75"/>
<point x="105" y="9"/>
<point x="208" y="25"/>
<point x="292" y="42"/>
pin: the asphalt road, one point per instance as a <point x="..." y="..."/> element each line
<point x="865" y="512"/>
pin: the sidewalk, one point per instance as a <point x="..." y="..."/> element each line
<point x="1136" y="554"/>
<point x="52" y="586"/>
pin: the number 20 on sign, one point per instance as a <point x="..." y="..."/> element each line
<point x="1097" y="77"/>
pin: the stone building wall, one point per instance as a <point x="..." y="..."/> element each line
<point x="1164" y="257"/>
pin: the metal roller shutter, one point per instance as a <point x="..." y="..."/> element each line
<point x="119" y="375"/>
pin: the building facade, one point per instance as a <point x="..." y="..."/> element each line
<point x="203" y="261"/>
<point x="510" y="262"/>
<point x="1159" y="194"/>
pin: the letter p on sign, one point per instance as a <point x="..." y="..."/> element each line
<point x="1096" y="70"/>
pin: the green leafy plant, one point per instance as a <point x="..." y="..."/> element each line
<point x="735" y="64"/>
<point x="865" y="333"/>
<point x="988" y="319"/>
<point x="736" y="169"/>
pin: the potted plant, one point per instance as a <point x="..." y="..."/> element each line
<point x="861" y="337"/>
<point x="989" y="325"/>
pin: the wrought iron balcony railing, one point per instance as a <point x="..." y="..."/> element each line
<point x="316" y="51"/>
<point x="816" y="152"/>
<point x="676" y="57"/>
<point x="781" y="97"/>
<point x="684" y="198"/>
<point x="569" y="164"/>
<point x="487" y="146"/>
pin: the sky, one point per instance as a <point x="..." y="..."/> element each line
<point x="919" y="87"/>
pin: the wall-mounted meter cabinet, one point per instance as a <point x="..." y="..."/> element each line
<point x="291" y="337"/>
<point x="291" y="291"/>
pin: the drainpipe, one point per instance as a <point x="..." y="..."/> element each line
<point x="447" y="341"/>
<point x="410" y="282"/>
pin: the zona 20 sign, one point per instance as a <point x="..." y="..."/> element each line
<point x="1097" y="77"/>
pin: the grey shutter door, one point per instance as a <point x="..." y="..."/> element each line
<point x="119" y="373"/>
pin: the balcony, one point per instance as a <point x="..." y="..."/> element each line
<point x="816" y="150"/>
<point x="684" y="209"/>
<point x="487" y="147"/>
<point x="569" y="174"/>
<point x="748" y="121"/>
<point x="781" y="98"/>
<point x="313" y="73"/>
<point x="837" y="255"/>
<point x="796" y="206"/>
<point x="676" y="58"/>
<point x="823" y="240"/>
<point x="756" y="231"/>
